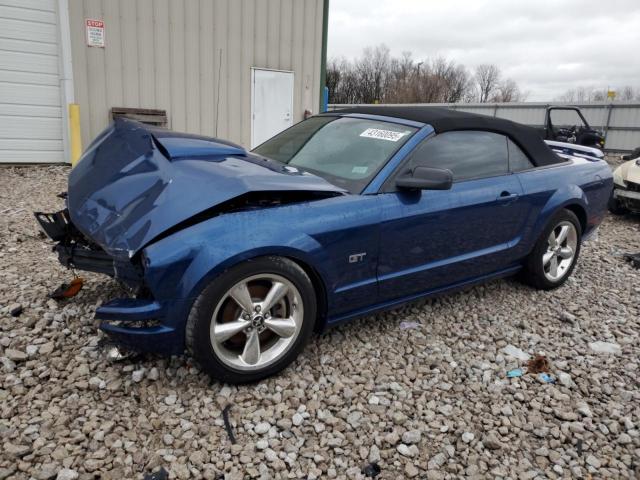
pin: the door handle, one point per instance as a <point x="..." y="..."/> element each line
<point x="506" y="197"/>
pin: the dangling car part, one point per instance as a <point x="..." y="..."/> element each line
<point x="237" y="257"/>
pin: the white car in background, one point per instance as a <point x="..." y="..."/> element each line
<point x="626" y="188"/>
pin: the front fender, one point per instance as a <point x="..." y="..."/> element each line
<point x="180" y="266"/>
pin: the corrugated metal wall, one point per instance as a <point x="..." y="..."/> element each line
<point x="30" y="99"/>
<point x="169" y="54"/>
<point x="620" y="121"/>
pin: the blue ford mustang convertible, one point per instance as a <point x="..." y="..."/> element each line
<point x="237" y="257"/>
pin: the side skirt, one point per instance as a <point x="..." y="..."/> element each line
<point x="391" y="304"/>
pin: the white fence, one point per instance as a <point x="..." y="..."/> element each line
<point x="620" y="122"/>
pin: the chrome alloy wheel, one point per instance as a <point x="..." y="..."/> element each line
<point x="256" y="322"/>
<point x="561" y="251"/>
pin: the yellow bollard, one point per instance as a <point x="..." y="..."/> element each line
<point x="75" y="140"/>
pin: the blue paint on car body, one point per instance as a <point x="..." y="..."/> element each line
<point x="153" y="198"/>
<point x="134" y="183"/>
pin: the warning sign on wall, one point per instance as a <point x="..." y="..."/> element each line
<point x="95" y="33"/>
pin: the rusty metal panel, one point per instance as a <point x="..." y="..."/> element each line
<point x="150" y="116"/>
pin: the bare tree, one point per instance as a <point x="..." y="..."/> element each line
<point x="487" y="78"/>
<point x="401" y="84"/>
<point x="372" y="71"/>
<point x="452" y="80"/>
<point x="335" y="71"/>
<point x="567" y="97"/>
<point x="599" y="95"/>
<point x="459" y="84"/>
<point x="439" y="80"/>
<point x="592" y="94"/>
<point x="508" y="91"/>
<point x="376" y="76"/>
<point x="583" y="94"/>
<point x="627" y="94"/>
<point x="342" y="82"/>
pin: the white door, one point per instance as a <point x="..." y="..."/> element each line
<point x="30" y="100"/>
<point x="271" y="103"/>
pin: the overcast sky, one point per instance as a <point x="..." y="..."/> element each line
<point x="547" y="46"/>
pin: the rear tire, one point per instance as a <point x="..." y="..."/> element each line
<point x="555" y="254"/>
<point x="252" y="321"/>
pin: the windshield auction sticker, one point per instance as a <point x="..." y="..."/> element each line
<point x="380" y="134"/>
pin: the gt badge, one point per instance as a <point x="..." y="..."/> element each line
<point x="357" y="257"/>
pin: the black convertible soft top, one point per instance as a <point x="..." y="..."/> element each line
<point x="446" y="120"/>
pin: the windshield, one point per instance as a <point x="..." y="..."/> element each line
<point x="345" y="151"/>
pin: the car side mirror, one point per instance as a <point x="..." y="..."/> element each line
<point x="426" y="178"/>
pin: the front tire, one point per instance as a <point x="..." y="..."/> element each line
<point x="555" y="254"/>
<point x="253" y="320"/>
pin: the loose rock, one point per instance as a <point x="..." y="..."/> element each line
<point x="430" y="402"/>
<point x="412" y="436"/>
<point x="408" y="451"/>
<point x="491" y="442"/>
<point x="262" y="428"/>
<point x="67" y="474"/>
<point x="605" y="347"/>
<point x="15" y="355"/>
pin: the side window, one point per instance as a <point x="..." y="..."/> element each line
<point x="564" y="118"/>
<point x="518" y="160"/>
<point x="468" y="154"/>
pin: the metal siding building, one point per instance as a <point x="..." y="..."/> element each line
<point x="31" y="100"/>
<point x="196" y="59"/>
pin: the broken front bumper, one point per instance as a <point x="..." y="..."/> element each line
<point x="630" y="199"/>
<point x="140" y="324"/>
<point x="72" y="253"/>
<point x="54" y="225"/>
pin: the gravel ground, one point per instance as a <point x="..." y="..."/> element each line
<point x="420" y="391"/>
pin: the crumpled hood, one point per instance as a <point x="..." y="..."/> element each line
<point x="135" y="182"/>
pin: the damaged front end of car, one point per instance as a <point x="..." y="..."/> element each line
<point x="626" y="188"/>
<point x="77" y="252"/>
<point x="137" y="321"/>
<point x="136" y="186"/>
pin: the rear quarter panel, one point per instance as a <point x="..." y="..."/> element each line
<point x="583" y="183"/>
